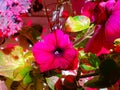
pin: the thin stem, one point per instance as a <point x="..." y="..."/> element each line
<point x="89" y="75"/>
<point x="71" y="9"/>
<point x="78" y="73"/>
<point x="48" y="17"/>
<point x="87" y="34"/>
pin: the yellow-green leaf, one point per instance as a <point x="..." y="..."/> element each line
<point x="27" y="79"/>
<point x="77" y="23"/>
<point x="87" y="67"/>
<point x="13" y="61"/>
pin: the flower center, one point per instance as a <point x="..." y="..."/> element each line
<point x="58" y="51"/>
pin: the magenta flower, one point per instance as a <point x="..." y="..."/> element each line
<point x="55" y="51"/>
<point x="106" y="15"/>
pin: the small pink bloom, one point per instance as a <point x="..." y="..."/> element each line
<point x="55" y="51"/>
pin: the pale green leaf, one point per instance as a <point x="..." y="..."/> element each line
<point x="27" y="79"/>
<point x="77" y="23"/>
<point x="51" y="81"/>
<point x="13" y="61"/>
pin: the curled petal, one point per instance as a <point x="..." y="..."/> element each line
<point x="97" y="43"/>
<point x="112" y="28"/>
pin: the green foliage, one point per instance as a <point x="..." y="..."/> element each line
<point x="94" y="60"/>
<point x="15" y="63"/>
<point x="27" y="79"/>
<point x="25" y="71"/>
<point x="109" y="73"/>
<point x="80" y="88"/>
<point x="77" y="23"/>
<point x="88" y="61"/>
<point x="87" y="67"/>
<point x="51" y="81"/>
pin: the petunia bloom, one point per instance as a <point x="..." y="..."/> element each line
<point x="55" y="51"/>
<point x="106" y="15"/>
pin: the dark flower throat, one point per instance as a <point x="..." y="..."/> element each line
<point x="58" y="51"/>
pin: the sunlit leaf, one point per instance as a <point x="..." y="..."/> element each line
<point x="15" y="63"/>
<point x="87" y="67"/>
<point x="82" y="54"/>
<point x="27" y="79"/>
<point x="51" y="81"/>
<point x="94" y="60"/>
<point x="77" y="23"/>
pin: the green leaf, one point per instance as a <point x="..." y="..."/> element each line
<point x="27" y="79"/>
<point x="87" y="67"/>
<point x="51" y="81"/>
<point x="21" y="72"/>
<point x="77" y="23"/>
<point x="80" y="88"/>
<point x="15" y="63"/>
<point x="82" y="54"/>
<point x="94" y="60"/>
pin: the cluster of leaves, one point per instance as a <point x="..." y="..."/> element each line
<point x="107" y="67"/>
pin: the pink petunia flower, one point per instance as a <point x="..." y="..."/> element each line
<point x="55" y="51"/>
<point x="106" y="15"/>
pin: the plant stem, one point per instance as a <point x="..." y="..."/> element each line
<point x="48" y="17"/>
<point x="87" y="34"/>
<point x="89" y="75"/>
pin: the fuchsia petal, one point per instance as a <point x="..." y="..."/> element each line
<point x="112" y="28"/>
<point x="71" y="55"/>
<point x="77" y="5"/>
<point x="97" y="42"/>
<point x="117" y="5"/>
<point x="50" y="41"/>
<point x="62" y="39"/>
<point x="49" y="65"/>
<point x="110" y="5"/>
<point x="88" y="10"/>
<point x="43" y="57"/>
<point x="64" y="63"/>
<point x="42" y="45"/>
